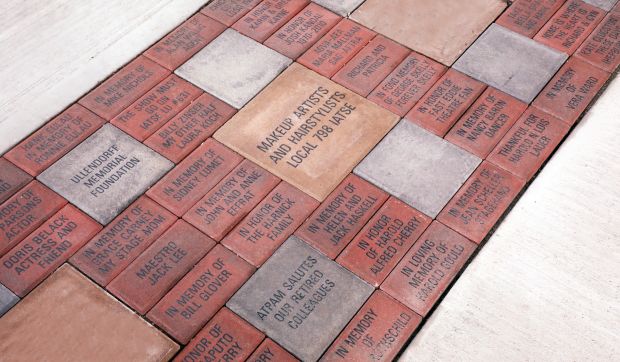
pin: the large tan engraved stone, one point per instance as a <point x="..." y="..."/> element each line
<point x="441" y="30"/>
<point x="69" y="318"/>
<point x="307" y="130"/>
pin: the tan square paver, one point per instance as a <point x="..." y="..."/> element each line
<point x="441" y="30"/>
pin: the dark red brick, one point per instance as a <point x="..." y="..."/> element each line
<point x="55" y="139"/>
<point x="342" y="215"/>
<point x="386" y="326"/>
<point x="371" y="65"/>
<point x="228" y="11"/>
<point x="201" y="293"/>
<point x="302" y="31"/>
<point x="191" y="179"/>
<point x="225" y="328"/>
<point x="445" y="102"/>
<point x="481" y="201"/>
<point x="12" y="178"/>
<point x="570" y="91"/>
<point x="407" y="83"/>
<point x="184" y="41"/>
<point x="270" y="351"/>
<point x="168" y="259"/>
<point x="428" y="268"/>
<point x="602" y="48"/>
<point x="529" y="143"/>
<point x="160" y="104"/>
<point x="188" y="129"/>
<point x="267" y="17"/>
<point x="270" y="223"/>
<point x="336" y="47"/>
<point x="123" y="240"/>
<point x="570" y="26"/>
<point x="380" y="245"/>
<point x="23" y="212"/>
<point x="486" y="122"/>
<point x="50" y="245"/>
<point x="526" y="17"/>
<point x="124" y="87"/>
<point x="231" y="199"/>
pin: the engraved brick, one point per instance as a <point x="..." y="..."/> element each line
<point x="231" y="199"/>
<point x="510" y="62"/>
<point x="225" y="329"/>
<point x="407" y="83"/>
<point x="418" y="167"/>
<point x="201" y="293"/>
<point x="526" y="17"/>
<point x="445" y="102"/>
<point x="336" y="48"/>
<point x="299" y="295"/>
<point x="187" y="130"/>
<point x="380" y="245"/>
<point x="302" y="31"/>
<point x="529" y="143"/>
<point x="228" y="11"/>
<point x="481" y="201"/>
<point x="25" y="211"/>
<point x="152" y="110"/>
<point x="12" y="178"/>
<point x="163" y="263"/>
<point x="267" y="17"/>
<point x="371" y="65"/>
<point x="271" y="351"/>
<point x="184" y="41"/>
<point x="233" y="67"/>
<point x="602" y="48"/>
<point x="570" y="26"/>
<point x="122" y="240"/>
<point x="124" y="87"/>
<point x="105" y="173"/>
<point x="54" y="139"/>
<point x="428" y="268"/>
<point x="386" y="326"/>
<point x="342" y="215"/>
<point x="568" y="94"/>
<point x="50" y="245"/>
<point x="7" y="299"/>
<point x="191" y="179"/>
<point x="270" y="223"/>
<point x="486" y="122"/>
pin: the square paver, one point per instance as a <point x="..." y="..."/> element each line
<point x="312" y="136"/>
<point x="511" y="62"/>
<point x="233" y="67"/>
<point x="419" y="168"/>
<point x="7" y="299"/>
<point x="296" y="298"/>
<point x="105" y="173"/>
<point x="341" y="7"/>
<point x="441" y="30"/>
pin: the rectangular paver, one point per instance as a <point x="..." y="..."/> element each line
<point x="12" y="178"/>
<point x="228" y="11"/>
<point x="526" y="17"/>
<point x="297" y="296"/>
<point x="52" y="141"/>
<point x="105" y="173"/>
<point x="342" y="7"/>
<point x="602" y="47"/>
<point x="267" y="17"/>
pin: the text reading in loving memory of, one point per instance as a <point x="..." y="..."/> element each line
<point x="311" y="123"/>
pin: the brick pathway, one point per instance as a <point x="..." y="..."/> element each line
<point x="286" y="179"/>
